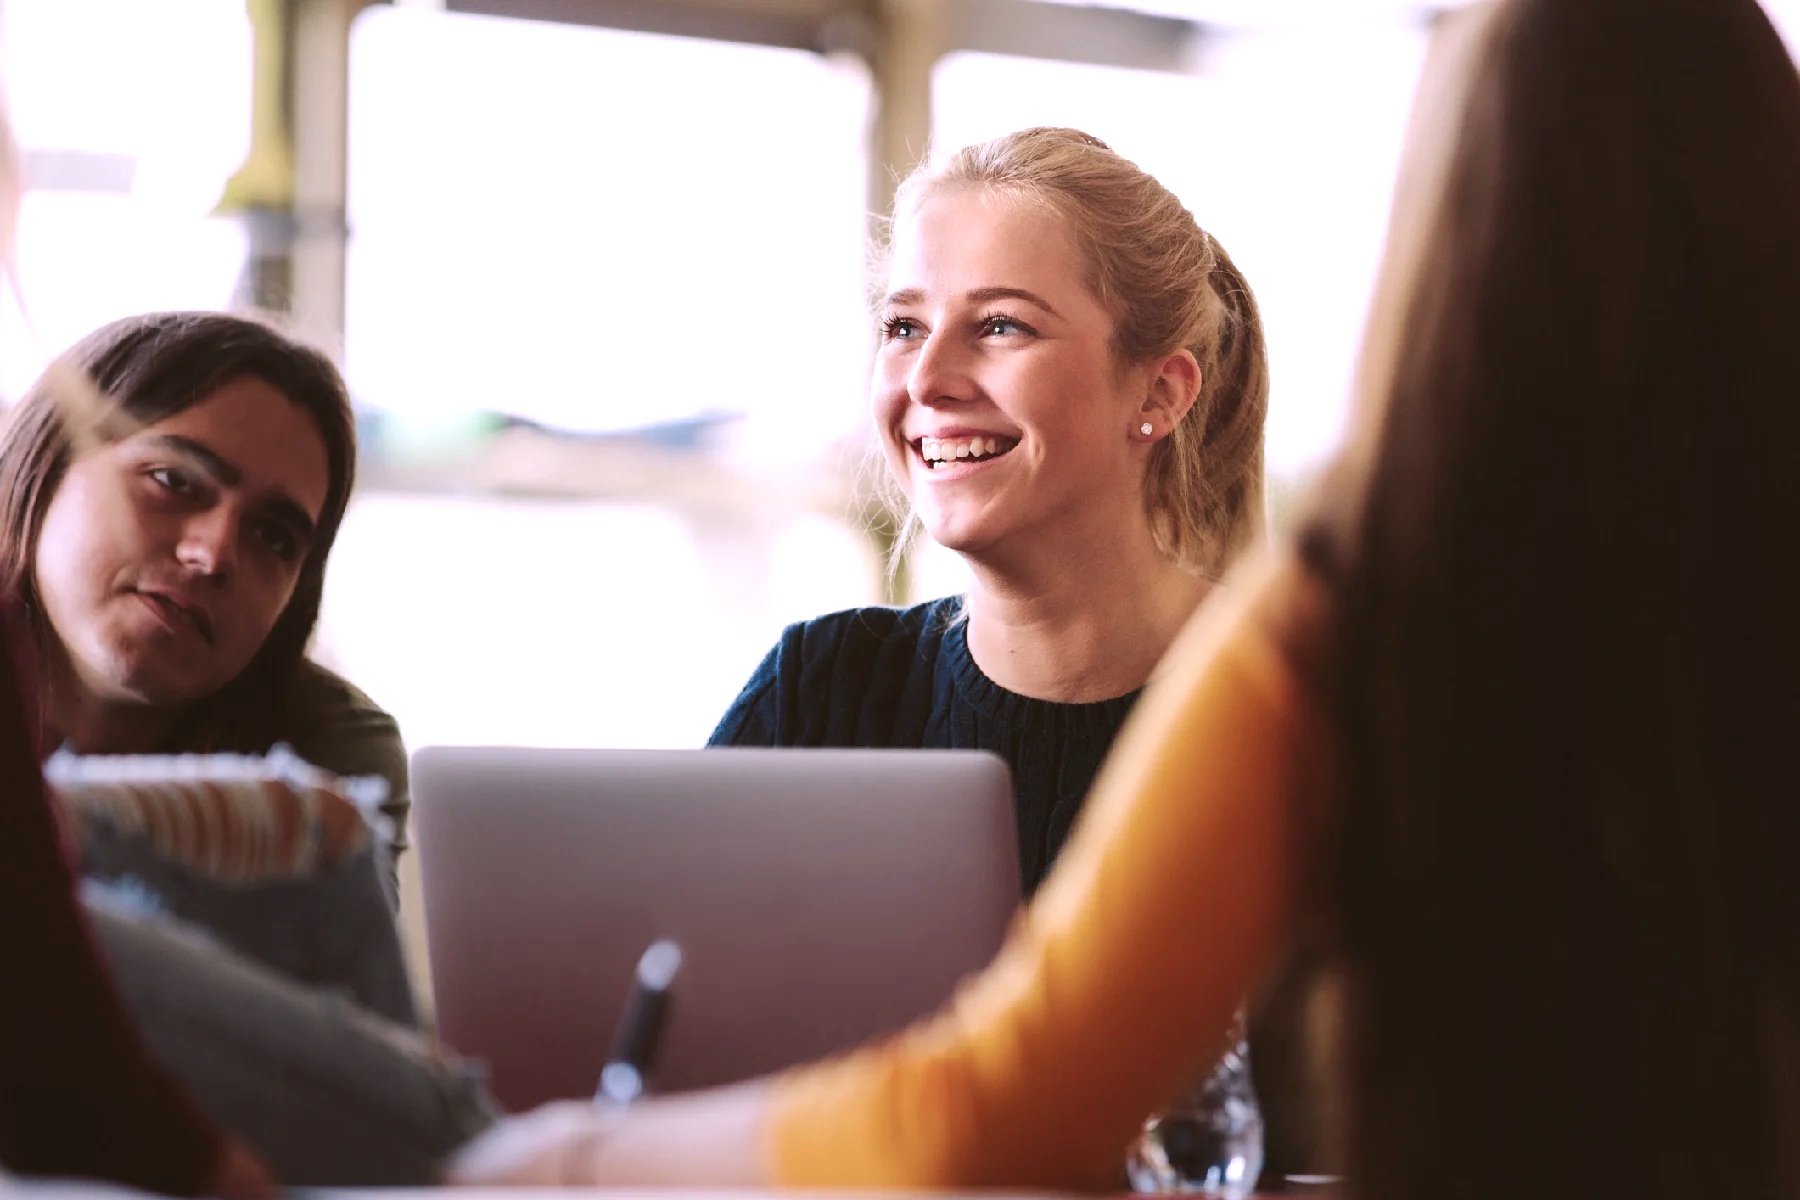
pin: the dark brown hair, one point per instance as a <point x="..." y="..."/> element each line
<point x="1567" y="667"/>
<point x="148" y="368"/>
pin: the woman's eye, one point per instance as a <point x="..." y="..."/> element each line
<point x="280" y="540"/>
<point x="171" y="479"/>
<point x="1000" y="326"/>
<point x="899" y="328"/>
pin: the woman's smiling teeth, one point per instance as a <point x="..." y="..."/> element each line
<point x="939" y="452"/>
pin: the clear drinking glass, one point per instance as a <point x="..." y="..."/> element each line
<point x="1211" y="1141"/>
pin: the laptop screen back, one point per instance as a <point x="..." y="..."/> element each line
<point x="820" y="897"/>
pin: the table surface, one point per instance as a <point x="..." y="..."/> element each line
<point x="536" y="1193"/>
<point x="13" y="1188"/>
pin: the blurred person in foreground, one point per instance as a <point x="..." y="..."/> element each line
<point x="1507" y="717"/>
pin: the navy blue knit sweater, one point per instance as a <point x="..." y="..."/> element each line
<point x="902" y="678"/>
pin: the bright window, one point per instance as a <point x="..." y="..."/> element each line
<point x="595" y="231"/>
<point x="128" y="138"/>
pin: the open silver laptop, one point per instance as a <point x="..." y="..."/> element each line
<point x="820" y="897"/>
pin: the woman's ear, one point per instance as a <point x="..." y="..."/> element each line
<point x="1174" y="386"/>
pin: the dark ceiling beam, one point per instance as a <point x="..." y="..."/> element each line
<point x="1111" y="37"/>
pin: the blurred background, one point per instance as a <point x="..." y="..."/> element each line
<point x="595" y="272"/>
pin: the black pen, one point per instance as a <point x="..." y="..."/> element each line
<point x="640" y="1026"/>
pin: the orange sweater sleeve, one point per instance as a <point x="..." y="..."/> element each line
<point x="1117" y="985"/>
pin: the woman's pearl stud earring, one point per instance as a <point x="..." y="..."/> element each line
<point x="1146" y="429"/>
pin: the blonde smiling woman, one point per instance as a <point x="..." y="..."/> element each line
<point x="1070" y="394"/>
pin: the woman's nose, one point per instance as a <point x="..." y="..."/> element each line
<point x="208" y="542"/>
<point x="940" y="372"/>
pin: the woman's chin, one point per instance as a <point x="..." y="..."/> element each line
<point x="156" y="681"/>
<point x="968" y="539"/>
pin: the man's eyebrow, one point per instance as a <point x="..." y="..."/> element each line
<point x="227" y="473"/>
<point x="985" y="295"/>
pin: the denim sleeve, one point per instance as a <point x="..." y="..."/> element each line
<point x="328" y="1093"/>
<point x="332" y="930"/>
